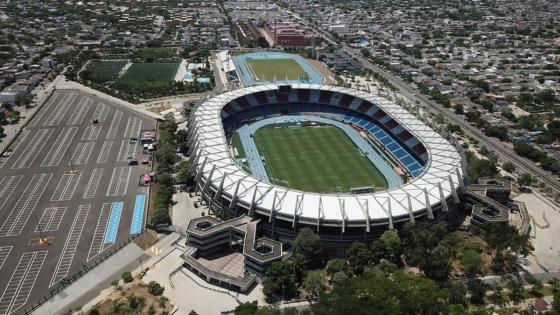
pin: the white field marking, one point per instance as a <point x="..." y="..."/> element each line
<point x="4" y="253"/>
<point x="93" y="183"/>
<point x="82" y="152"/>
<point x="114" y="125"/>
<point x="22" y="281"/>
<point x="32" y="149"/>
<point x="97" y="240"/>
<point x="21" y="212"/>
<point x="57" y="115"/>
<point x="101" y="112"/>
<point x="66" y="187"/>
<point x="119" y="181"/>
<point x="80" y="112"/>
<point x="105" y="151"/>
<point x="7" y="186"/>
<point x="46" y="108"/>
<point x="55" y="154"/>
<point x="65" y="261"/>
<point x="50" y="220"/>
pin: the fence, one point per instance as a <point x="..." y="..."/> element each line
<point x="67" y="281"/>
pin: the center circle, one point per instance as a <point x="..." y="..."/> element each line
<point x="312" y="156"/>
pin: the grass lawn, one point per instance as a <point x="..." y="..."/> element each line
<point x="315" y="159"/>
<point x="265" y="69"/>
<point x="107" y="70"/>
<point x="156" y="72"/>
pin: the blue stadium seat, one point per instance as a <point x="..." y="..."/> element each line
<point x="393" y="147"/>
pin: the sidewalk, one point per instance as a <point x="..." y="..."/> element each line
<point x="91" y="284"/>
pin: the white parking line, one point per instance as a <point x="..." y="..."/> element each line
<point x="114" y="125"/>
<point x="50" y="220"/>
<point x="65" y="261"/>
<point x="93" y="183"/>
<point x="4" y="253"/>
<point x="97" y="240"/>
<point x="91" y="133"/>
<point x="66" y="187"/>
<point x="119" y="181"/>
<point x="22" y="281"/>
<point x="81" y="111"/>
<point x="7" y="186"/>
<point x="60" y="111"/>
<point x="105" y="150"/>
<point x="31" y="151"/>
<point x="55" y="154"/>
<point x="127" y="149"/>
<point x="82" y="153"/>
<point x="54" y="99"/>
<point x="24" y="206"/>
<point x="100" y="112"/>
<point x="133" y="127"/>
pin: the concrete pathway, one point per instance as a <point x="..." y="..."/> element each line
<point x="96" y="280"/>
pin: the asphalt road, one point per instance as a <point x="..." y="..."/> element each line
<point x="81" y="214"/>
<point x="505" y="153"/>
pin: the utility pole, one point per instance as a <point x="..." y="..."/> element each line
<point x="42" y="240"/>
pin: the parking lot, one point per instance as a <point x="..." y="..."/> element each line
<point x="68" y="193"/>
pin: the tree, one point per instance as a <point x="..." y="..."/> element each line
<point x="247" y="308"/>
<point x="155" y="288"/>
<point x="477" y="290"/>
<point x="308" y="244"/>
<point x="556" y="301"/>
<point x="472" y="262"/>
<point x="358" y="257"/>
<point x="456" y="292"/>
<point x="136" y="303"/>
<point x="280" y="280"/>
<point x="377" y="293"/>
<point x="127" y="277"/>
<point x="497" y="296"/>
<point x="313" y="283"/>
<point x="337" y="265"/>
<point x="459" y="110"/>
<point x="391" y="245"/>
<point x="24" y="99"/>
<point x="508" y="167"/>
<point x="525" y="179"/>
<point x="192" y="312"/>
<point x="515" y="292"/>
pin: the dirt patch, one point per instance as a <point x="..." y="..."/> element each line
<point x="133" y="298"/>
<point x="147" y="239"/>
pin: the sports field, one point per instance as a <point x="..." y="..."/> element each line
<point x="106" y="70"/>
<point x="156" y="72"/>
<point x="266" y="69"/>
<point x="315" y="159"/>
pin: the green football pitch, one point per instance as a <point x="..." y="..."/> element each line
<point x="107" y="70"/>
<point x="266" y="69"/>
<point x="316" y="159"/>
<point x="163" y="72"/>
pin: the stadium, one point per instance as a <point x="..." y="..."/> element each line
<point x="347" y="163"/>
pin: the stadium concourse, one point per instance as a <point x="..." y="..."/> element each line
<point x="431" y="169"/>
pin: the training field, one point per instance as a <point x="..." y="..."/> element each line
<point x="266" y="69"/>
<point x="107" y="70"/>
<point x="315" y="159"/>
<point x="157" y="72"/>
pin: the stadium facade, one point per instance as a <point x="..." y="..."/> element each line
<point x="434" y="167"/>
